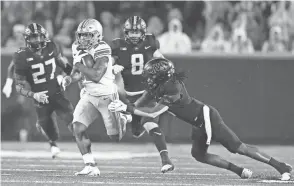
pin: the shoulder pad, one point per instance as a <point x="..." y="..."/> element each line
<point x="115" y="43"/>
<point x="20" y="50"/>
<point x="151" y="39"/>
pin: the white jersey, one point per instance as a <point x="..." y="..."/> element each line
<point x="106" y="85"/>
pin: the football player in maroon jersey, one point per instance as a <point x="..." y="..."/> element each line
<point x="130" y="55"/>
<point x="36" y="67"/>
<point x="168" y="89"/>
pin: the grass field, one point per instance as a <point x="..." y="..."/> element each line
<point x="130" y="164"/>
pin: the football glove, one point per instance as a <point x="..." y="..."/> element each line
<point x="41" y="97"/>
<point x="117" y="106"/>
<point x="66" y="81"/>
<point x="7" y="89"/>
<point x="117" y="69"/>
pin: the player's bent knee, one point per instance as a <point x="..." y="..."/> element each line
<point x="149" y="126"/>
<point x="79" y="128"/>
<point x="198" y="155"/>
<point x="115" y="138"/>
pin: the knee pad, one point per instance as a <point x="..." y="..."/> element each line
<point x="150" y="125"/>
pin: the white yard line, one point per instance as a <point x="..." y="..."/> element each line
<point x="76" y="155"/>
<point x="88" y="182"/>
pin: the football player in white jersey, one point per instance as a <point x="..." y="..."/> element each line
<point x="98" y="92"/>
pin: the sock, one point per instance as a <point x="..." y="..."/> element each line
<point x="234" y="168"/>
<point x="277" y="165"/>
<point x="160" y="143"/>
<point x="52" y="143"/>
<point x="89" y="159"/>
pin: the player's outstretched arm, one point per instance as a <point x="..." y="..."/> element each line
<point x="97" y="71"/>
<point x="7" y="89"/>
<point x="152" y="112"/>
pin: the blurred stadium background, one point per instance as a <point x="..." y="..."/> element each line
<point x="238" y="56"/>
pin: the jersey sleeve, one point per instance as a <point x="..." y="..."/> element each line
<point x="154" y="43"/>
<point x="20" y="64"/>
<point x="115" y="45"/>
<point x="103" y="49"/>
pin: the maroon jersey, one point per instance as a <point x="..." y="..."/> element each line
<point x="186" y="108"/>
<point x="133" y="58"/>
<point x="40" y="70"/>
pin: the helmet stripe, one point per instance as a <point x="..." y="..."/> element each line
<point x="84" y="23"/>
<point x="35" y="28"/>
<point x="135" y="21"/>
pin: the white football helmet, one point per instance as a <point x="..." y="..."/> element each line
<point x="89" y="33"/>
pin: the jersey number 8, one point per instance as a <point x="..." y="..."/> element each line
<point x="41" y="71"/>
<point x="137" y="61"/>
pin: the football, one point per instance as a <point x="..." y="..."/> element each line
<point x="88" y="60"/>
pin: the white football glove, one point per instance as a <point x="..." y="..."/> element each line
<point x="66" y="81"/>
<point x="117" y="68"/>
<point x="59" y="79"/>
<point x="7" y="89"/>
<point x="117" y="106"/>
<point x="41" y="97"/>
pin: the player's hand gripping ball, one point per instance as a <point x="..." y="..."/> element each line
<point x="88" y="60"/>
<point x="117" y="106"/>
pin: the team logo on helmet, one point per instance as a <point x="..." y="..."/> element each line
<point x="135" y="29"/>
<point x="36" y="36"/>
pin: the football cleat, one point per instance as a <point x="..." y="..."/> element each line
<point x="286" y="176"/>
<point x="89" y="170"/>
<point x="54" y="151"/>
<point x="246" y="174"/>
<point x="167" y="168"/>
<point x="137" y="131"/>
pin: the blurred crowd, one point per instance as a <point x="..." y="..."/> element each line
<point x="180" y="26"/>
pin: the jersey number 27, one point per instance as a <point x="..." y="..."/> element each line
<point x="41" y="71"/>
<point x="137" y="61"/>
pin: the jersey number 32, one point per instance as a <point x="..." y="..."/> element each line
<point x="137" y="61"/>
<point x="41" y="71"/>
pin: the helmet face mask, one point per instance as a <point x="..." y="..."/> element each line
<point x="36" y="37"/>
<point x="134" y="36"/>
<point x="89" y="33"/>
<point x="158" y="71"/>
<point x="135" y="30"/>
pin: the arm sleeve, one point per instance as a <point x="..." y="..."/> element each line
<point x="20" y="65"/>
<point x="114" y="45"/>
<point x="154" y="43"/>
<point x="10" y="70"/>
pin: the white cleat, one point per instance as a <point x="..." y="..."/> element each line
<point x="286" y="176"/>
<point x="167" y="168"/>
<point x="246" y="174"/>
<point x="54" y="151"/>
<point x="89" y="171"/>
